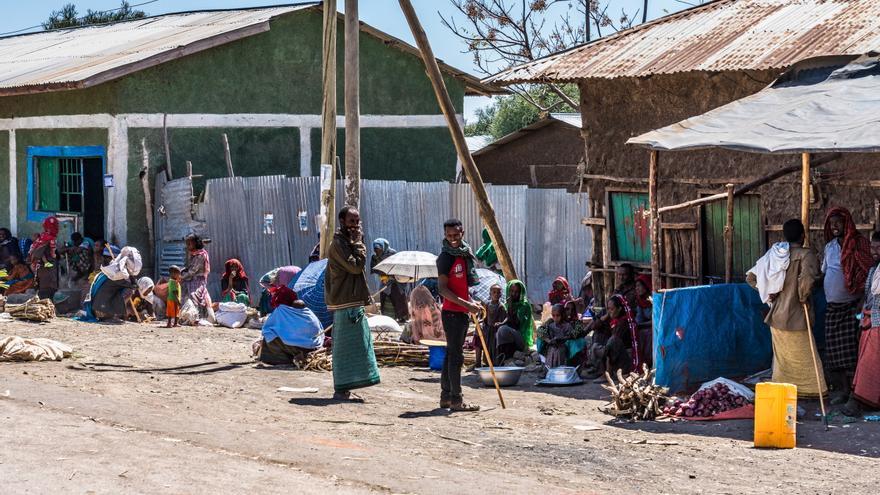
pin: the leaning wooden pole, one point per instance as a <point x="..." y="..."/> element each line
<point x="728" y="237"/>
<point x="654" y="205"/>
<point x="805" y="196"/>
<point x="352" y="105"/>
<point x="487" y="213"/>
<point x="328" y="128"/>
<point x="229" y="171"/>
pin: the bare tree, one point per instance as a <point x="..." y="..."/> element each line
<point x="505" y="33"/>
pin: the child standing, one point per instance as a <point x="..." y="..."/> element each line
<point x="495" y="314"/>
<point x="555" y="334"/>
<point x="172" y="306"/>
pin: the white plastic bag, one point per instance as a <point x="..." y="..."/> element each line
<point x="231" y="315"/>
<point x="735" y="388"/>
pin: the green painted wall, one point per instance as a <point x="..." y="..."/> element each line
<point x="25" y="138"/>
<point x="4" y="178"/>
<point x="418" y="155"/>
<point x="274" y="72"/>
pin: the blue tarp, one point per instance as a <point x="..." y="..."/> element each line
<point x="296" y="327"/>
<point x="309" y="286"/>
<point x="702" y="333"/>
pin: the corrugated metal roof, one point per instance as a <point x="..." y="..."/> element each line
<point x="717" y="36"/>
<point x="86" y="56"/>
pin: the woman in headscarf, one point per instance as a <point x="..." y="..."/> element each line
<point x="392" y="290"/>
<point x="234" y="284"/>
<point x="291" y="332"/>
<point x="142" y="300"/>
<point x="425" y="322"/>
<point x="560" y="292"/>
<point x="109" y="292"/>
<point x="19" y="278"/>
<point x="614" y="341"/>
<point x="194" y="277"/>
<point x="281" y="276"/>
<point x="517" y="332"/>
<point x="866" y="384"/>
<point x="42" y="259"/>
<point x="80" y="255"/>
<point x="8" y="247"/>
<point x="644" y="320"/>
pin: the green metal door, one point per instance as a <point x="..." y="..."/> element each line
<point x="630" y="227"/>
<point x="48" y="190"/>
<point x="748" y="236"/>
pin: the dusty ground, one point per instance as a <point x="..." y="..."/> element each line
<point x="143" y="409"/>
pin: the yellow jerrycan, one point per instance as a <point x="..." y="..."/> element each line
<point x="775" y="415"/>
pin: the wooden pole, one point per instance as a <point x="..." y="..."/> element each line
<point x="653" y="204"/>
<point x="189" y="168"/>
<point x="328" y="128"/>
<point x="229" y="170"/>
<point x="168" y="174"/>
<point x="488" y="359"/>
<point x="805" y="196"/>
<point x="816" y="365"/>
<point x="148" y="196"/>
<point x="487" y="213"/>
<point x="728" y="237"/>
<point x="352" y="105"/>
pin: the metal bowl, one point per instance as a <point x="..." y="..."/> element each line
<point x="507" y="376"/>
<point x="562" y="374"/>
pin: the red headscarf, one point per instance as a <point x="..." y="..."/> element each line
<point x="234" y="265"/>
<point x="559" y="296"/>
<point x="282" y="295"/>
<point x="855" y="250"/>
<point x="49" y="234"/>
<point x="643" y="301"/>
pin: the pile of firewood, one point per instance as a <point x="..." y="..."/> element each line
<point x="34" y="309"/>
<point x="388" y="353"/>
<point x="319" y="360"/>
<point x="635" y="396"/>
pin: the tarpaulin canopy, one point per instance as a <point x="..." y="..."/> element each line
<point x="820" y="105"/>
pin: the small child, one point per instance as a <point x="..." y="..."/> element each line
<point x="495" y="315"/>
<point x="555" y="333"/>
<point x="172" y="301"/>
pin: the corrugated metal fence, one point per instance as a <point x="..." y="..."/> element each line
<point x="268" y="222"/>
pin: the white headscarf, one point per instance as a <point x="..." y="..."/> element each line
<point x="144" y="284"/>
<point x="127" y="264"/>
<point x="770" y="270"/>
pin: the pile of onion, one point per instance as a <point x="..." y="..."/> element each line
<point x="707" y="402"/>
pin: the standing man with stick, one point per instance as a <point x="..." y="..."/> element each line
<point x="346" y="293"/>
<point x="455" y="273"/>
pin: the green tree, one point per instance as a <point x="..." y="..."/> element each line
<point x="508" y="114"/>
<point x="69" y="17"/>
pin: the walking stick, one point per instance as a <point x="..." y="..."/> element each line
<point x="488" y="359"/>
<point x="816" y="366"/>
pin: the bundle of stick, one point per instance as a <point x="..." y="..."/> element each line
<point x="34" y="309"/>
<point x="388" y="353"/>
<point x="635" y="396"/>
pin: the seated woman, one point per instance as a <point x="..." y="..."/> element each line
<point x="560" y="293"/>
<point x="108" y="293"/>
<point x="644" y="320"/>
<point x="291" y="332"/>
<point x="8" y="246"/>
<point x="516" y="333"/>
<point x="281" y="276"/>
<point x="79" y="252"/>
<point x="19" y="276"/>
<point x="614" y="338"/>
<point x="234" y="284"/>
<point x="425" y="320"/>
<point x="141" y="307"/>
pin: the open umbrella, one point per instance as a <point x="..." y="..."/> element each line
<point x="409" y="264"/>
<point x="488" y="278"/>
<point x="309" y="286"/>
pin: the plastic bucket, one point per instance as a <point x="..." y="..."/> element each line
<point x="436" y="356"/>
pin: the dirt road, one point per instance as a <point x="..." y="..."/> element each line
<point x="144" y="409"/>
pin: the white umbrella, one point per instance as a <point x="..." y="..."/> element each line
<point x="409" y="264"/>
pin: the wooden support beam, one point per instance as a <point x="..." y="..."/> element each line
<point x="189" y="168"/>
<point x="328" y="128"/>
<point x="228" y="155"/>
<point x="728" y="237"/>
<point x="487" y="213"/>
<point x="678" y="226"/>
<point x="653" y="203"/>
<point x="168" y="174"/>
<point x="668" y="259"/>
<point x="867" y="227"/>
<point x="805" y="194"/>
<point x="148" y="197"/>
<point x="352" y="105"/>
<point x="595" y="222"/>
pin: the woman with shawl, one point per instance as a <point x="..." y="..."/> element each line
<point x="291" y="332"/>
<point x="8" y="247"/>
<point x="109" y="292"/>
<point x="19" y="278"/>
<point x="194" y="277"/>
<point x="614" y="339"/>
<point x="42" y="259"/>
<point x="80" y="255"/>
<point x="392" y="290"/>
<point x="425" y="322"/>
<point x="234" y="284"/>
<point x="560" y="292"/>
<point x="517" y="331"/>
<point x="142" y="300"/>
<point x="281" y="276"/>
<point x="866" y="384"/>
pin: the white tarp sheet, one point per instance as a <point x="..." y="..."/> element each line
<point x="821" y="105"/>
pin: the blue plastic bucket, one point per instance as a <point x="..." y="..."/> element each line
<point x="436" y="356"/>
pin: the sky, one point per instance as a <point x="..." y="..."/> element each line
<point x="382" y="14"/>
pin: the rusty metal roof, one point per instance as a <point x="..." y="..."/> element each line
<point x="717" y="36"/>
<point x="86" y="56"/>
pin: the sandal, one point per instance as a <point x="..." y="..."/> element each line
<point x="347" y="396"/>
<point x="464" y="407"/>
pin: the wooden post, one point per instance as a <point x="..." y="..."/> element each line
<point x="668" y="261"/>
<point x="168" y="174"/>
<point x="487" y="213"/>
<point x="229" y="170"/>
<point x="328" y="128"/>
<point x="148" y="197"/>
<point x="728" y="237"/>
<point x="805" y="196"/>
<point x="352" y="105"/>
<point x="654" y="204"/>
<point x="189" y="168"/>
